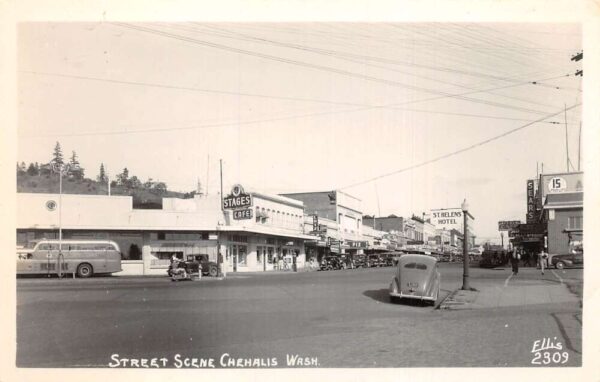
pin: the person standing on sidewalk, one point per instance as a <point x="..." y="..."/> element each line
<point x="543" y="257"/>
<point x="514" y="260"/>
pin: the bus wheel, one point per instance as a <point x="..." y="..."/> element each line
<point x="84" y="270"/>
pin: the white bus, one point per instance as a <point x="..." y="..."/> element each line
<point x="81" y="257"/>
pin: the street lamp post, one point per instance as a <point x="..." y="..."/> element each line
<point x="61" y="168"/>
<point x="465" y="209"/>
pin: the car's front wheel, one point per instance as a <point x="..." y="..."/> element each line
<point x="560" y="265"/>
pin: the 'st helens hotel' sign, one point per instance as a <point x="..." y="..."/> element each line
<point x="239" y="201"/>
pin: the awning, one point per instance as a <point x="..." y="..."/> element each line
<point x="564" y="200"/>
<point x="264" y="231"/>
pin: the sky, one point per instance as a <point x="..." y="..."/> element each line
<point x="407" y="117"/>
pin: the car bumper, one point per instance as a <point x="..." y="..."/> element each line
<point x="411" y="296"/>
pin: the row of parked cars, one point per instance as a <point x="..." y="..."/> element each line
<point x="329" y="263"/>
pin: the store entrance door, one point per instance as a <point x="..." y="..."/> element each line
<point x="234" y="256"/>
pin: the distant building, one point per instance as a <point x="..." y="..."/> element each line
<point x="561" y="195"/>
<point x="339" y="207"/>
<point x="554" y="214"/>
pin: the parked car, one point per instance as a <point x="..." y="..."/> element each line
<point x="416" y="277"/>
<point x="567" y="261"/>
<point x="196" y="262"/>
<point x="360" y="261"/>
<point x="374" y="261"/>
<point x="330" y="263"/>
<point x="388" y="259"/>
<point x="493" y="258"/>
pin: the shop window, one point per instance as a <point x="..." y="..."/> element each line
<point x="575" y="222"/>
<point x="163" y="258"/>
<point x="239" y="238"/>
<point x="161" y="236"/>
<point x="270" y="255"/>
<point x="21" y="238"/>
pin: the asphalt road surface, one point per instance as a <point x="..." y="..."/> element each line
<point x="309" y="319"/>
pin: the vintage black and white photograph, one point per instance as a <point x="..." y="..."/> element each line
<point x="299" y="194"/>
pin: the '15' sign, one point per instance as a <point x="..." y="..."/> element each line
<point x="557" y="184"/>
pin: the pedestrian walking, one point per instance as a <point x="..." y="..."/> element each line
<point x="514" y="260"/>
<point x="543" y="258"/>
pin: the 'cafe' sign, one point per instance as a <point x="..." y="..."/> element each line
<point x="239" y="201"/>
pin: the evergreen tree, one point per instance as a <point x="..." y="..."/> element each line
<point x="75" y="169"/>
<point x="102" y="176"/>
<point x="31" y="170"/>
<point x="134" y="182"/>
<point x="57" y="156"/>
<point x="74" y="162"/>
<point x="160" y="188"/>
<point x="123" y="178"/>
<point x="149" y="184"/>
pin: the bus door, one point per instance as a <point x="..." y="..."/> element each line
<point x="47" y="255"/>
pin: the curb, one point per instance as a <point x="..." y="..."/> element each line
<point x="439" y="306"/>
<point x="449" y="303"/>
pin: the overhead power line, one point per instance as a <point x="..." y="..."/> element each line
<point x="362" y="107"/>
<point x="365" y="60"/>
<point x="326" y="68"/>
<point x="460" y="151"/>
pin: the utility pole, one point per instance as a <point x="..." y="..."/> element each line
<point x="579" y="150"/>
<point x="567" y="137"/>
<point x="207" y="167"/>
<point x="577" y="57"/>
<point x="465" y="209"/>
<point x="61" y="169"/>
<point x="219" y="254"/>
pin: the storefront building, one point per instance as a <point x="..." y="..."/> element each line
<point x="266" y="233"/>
<point x="554" y="217"/>
<point x="376" y="241"/>
<point x="393" y="225"/>
<point x="271" y="238"/>
<point x="562" y="204"/>
<point x="344" y="210"/>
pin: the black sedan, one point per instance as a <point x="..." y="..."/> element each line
<point x="572" y="260"/>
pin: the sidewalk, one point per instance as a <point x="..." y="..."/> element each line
<point x="523" y="289"/>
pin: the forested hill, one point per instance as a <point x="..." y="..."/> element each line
<point x="143" y="197"/>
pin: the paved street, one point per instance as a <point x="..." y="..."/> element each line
<point x="328" y="319"/>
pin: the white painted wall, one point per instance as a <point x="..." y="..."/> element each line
<point x="116" y="212"/>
